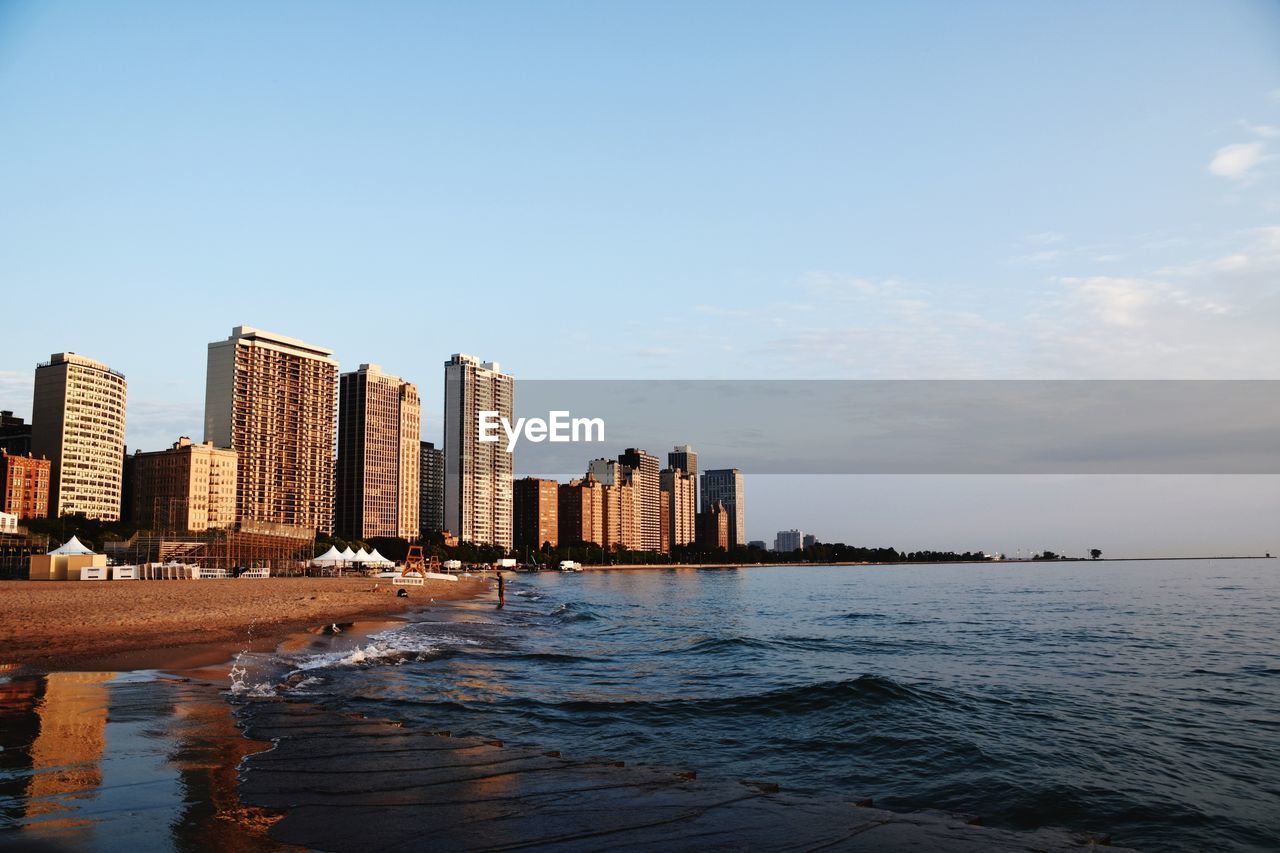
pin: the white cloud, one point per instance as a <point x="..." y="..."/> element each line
<point x="1114" y="301"/>
<point x="1213" y="318"/>
<point x="1037" y="257"/>
<point x="1237" y="161"/>
<point x="1266" y="131"/>
<point x="1046" y="237"/>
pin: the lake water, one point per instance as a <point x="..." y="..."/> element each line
<point x="1140" y="699"/>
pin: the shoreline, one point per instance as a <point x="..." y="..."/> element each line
<point x="175" y="626"/>
<point x="608" y="567"/>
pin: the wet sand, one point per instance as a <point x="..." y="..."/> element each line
<point x="352" y="784"/>
<point x="177" y="625"/>
<point x="100" y="760"/>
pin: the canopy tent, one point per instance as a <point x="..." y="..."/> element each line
<point x="72" y="547"/>
<point x="362" y="556"/>
<point x="376" y="559"/>
<point x="330" y="556"/>
<point x="348" y="554"/>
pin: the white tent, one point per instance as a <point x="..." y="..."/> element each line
<point x="362" y="556"/>
<point x="377" y="559"/>
<point x="348" y="554"/>
<point x="72" y="547"/>
<point x="330" y="556"/>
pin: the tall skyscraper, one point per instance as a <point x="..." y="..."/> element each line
<point x="379" y="430"/>
<point x="535" y="507"/>
<point x="187" y="488"/>
<point x="682" y="513"/>
<point x="620" y="501"/>
<point x="77" y="423"/>
<point x="648" y="514"/>
<point x="725" y="485"/>
<point x="273" y="400"/>
<point x="431" y="484"/>
<point x="684" y="458"/>
<point x="477" y="474"/>
<point x="581" y="512"/>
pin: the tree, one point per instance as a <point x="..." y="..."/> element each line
<point x="1095" y="553"/>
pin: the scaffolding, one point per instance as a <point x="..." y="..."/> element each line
<point x="251" y="545"/>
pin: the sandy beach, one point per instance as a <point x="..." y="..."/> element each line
<point x="163" y="624"/>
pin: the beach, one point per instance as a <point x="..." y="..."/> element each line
<point x="116" y="625"/>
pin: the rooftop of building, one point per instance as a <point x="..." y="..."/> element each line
<point x="254" y="334"/>
<point x="463" y="358"/>
<point x="78" y="360"/>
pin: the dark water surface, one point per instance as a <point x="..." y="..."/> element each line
<point x="1136" y="698"/>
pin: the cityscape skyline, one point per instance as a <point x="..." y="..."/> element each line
<point x="288" y="437"/>
<point x="795" y="503"/>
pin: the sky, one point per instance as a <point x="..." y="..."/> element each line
<point x="665" y="190"/>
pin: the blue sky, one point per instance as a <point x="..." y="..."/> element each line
<point x="642" y="190"/>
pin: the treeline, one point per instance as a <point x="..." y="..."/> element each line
<point x="823" y="552"/>
<point x="94" y="534"/>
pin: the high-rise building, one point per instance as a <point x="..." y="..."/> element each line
<point x="684" y="458"/>
<point x="581" y="512"/>
<point x="273" y="400"/>
<point x="725" y="485"/>
<point x="536" y="512"/>
<point x="607" y="472"/>
<point x="477" y="474"/>
<point x="644" y="478"/>
<point x="620" y="514"/>
<point x="713" y="526"/>
<point x="431" y="487"/>
<point x="618" y="517"/>
<point x="809" y="541"/>
<point x="664" y="503"/>
<point x="682" y="514"/>
<point x="788" y="541"/>
<point x="77" y="423"/>
<point x="15" y="434"/>
<point x="379" y="433"/>
<point x="187" y="488"/>
<point x="24" y="485"/>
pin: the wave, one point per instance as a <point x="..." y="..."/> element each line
<point x="551" y="657"/>
<point x="854" y="617"/>
<point x="865" y="691"/>
<point x="717" y="645"/>
<point x="573" y="611"/>
<point x="394" y="646"/>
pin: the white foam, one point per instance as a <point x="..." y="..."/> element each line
<point x="393" y="646"/>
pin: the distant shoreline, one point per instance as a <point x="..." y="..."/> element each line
<point x="601" y="567"/>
